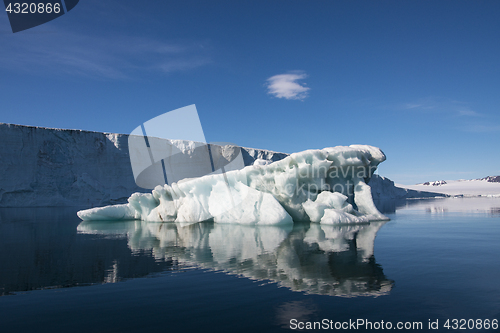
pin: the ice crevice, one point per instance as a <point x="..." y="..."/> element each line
<point x="327" y="186"/>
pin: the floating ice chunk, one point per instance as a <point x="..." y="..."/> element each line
<point x="316" y="185"/>
<point x="116" y="212"/>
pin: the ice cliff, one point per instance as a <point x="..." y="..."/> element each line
<point x="42" y="167"/>
<point x="384" y="189"/>
<point x="326" y="186"/>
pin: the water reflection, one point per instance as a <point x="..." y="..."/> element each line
<point x="436" y="210"/>
<point x="495" y="211"/>
<point x="50" y="248"/>
<point x="302" y="311"/>
<point x="313" y="258"/>
<point x="441" y="206"/>
<point x="40" y="248"/>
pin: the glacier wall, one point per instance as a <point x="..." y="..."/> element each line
<point x="42" y="167"/>
<point x="384" y="189"/>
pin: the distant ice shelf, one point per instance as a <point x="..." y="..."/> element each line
<point x="49" y="167"/>
<point x="326" y="186"/>
<point x="384" y="189"/>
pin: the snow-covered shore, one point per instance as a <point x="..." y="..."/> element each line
<point x="466" y="188"/>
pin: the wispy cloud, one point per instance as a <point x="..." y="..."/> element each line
<point x="410" y="106"/>
<point x="286" y="85"/>
<point x="123" y="57"/>
<point x="177" y="65"/>
<point x="448" y="112"/>
<point x="440" y="105"/>
<point x="469" y="113"/>
<point x="432" y="104"/>
<point x="481" y="128"/>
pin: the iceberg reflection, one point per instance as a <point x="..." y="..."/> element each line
<point x="334" y="260"/>
<point x="40" y="249"/>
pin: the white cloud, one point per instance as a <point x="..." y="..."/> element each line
<point x="286" y="86"/>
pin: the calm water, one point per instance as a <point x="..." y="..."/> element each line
<point x="435" y="260"/>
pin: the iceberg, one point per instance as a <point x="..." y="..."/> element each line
<point x="327" y="185"/>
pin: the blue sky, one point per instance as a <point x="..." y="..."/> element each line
<point x="419" y="79"/>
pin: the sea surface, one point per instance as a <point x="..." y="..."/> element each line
<point x="434" y="264"/>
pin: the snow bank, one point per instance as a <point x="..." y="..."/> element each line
<point x="326" y="186"/>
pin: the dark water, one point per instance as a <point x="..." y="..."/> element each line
<point x="435" y="260"/>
